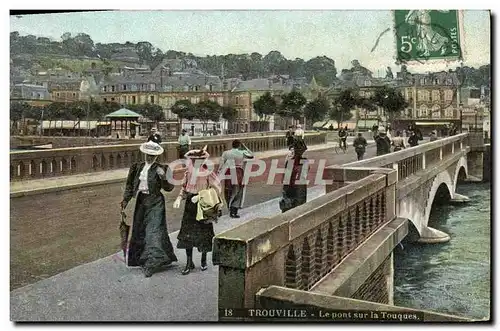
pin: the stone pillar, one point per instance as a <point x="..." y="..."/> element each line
<point x="250" y="256"/>
<point x="423" y="161"/>
<point x="475" y="164"/>
<point x="390" y="279"/>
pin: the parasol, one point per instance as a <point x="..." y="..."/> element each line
<point x="124" y="231"/>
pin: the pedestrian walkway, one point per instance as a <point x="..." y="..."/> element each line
<point x="106" y="290"/>
<point x="46" y="185"/>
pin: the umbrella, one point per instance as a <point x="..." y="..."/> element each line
<point x="124" y="231"/>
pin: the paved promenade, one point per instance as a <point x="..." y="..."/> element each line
<point x="106" y="290"/>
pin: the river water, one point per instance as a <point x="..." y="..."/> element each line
<point x="454" y="277"/>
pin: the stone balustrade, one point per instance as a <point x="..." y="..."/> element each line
<point x="406" y="162"/>
<point x="299" y="247"/>
<point x="64" y="142"/>
<point x="77" y="160"/>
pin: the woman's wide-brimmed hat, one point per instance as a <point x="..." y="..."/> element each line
<point x="151" y="148"/>
<point x="197" y="153"/>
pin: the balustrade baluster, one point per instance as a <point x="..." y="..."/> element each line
<point x="331" y="241"/>
<point x="383" y="207"/>
<point x="292" y="279"/>
<point x="318" y="256"/>
<point x="371" y="217"/>
<point x="305" y="266"/>
<point x="341" y="238"/>
<point x="358" y="229"/>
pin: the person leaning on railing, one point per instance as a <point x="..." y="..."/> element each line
<point x="184" y="144"/>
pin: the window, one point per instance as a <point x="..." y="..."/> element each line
<point x="448" y="112"/>
<point x="112" y="99"/>
<point x="57" y="94"/>
<point x="422" y="81"/>
<point x="236" y="100"/>
<point x="448" y="95"/>
<point x="152" y="87"/>
<point x="210" y="87"/>
<point x="105" y="100"/>
<point x="105" y="88"/>
<point x="124" y="87"/>
<point x="133" y="99"/>
<point x="112" y="88"/>
<point x="133" y="87"/>
<point x="196" y="88"/>
<point x="40" y="95"/>
<point x="436" y="96"/>
<point x="152" y="99"/>
<point x="424" y="111"/>
<point x="436" y="111"/>
<point x="74" y="95"/>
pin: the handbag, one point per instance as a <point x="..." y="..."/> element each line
<point x="209" y="204"/>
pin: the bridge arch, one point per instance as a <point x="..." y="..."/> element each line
<point x="461" y="170"/>
<point x="443" y="178"/>
<point x="442" y="197"/>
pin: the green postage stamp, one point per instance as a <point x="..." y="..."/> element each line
<point x="423" y="35"/>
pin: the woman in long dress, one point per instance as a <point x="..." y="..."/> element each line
<point x="193" y="233"/>
<point x="150" y="245"/>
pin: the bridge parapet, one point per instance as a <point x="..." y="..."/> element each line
<point x="299" y="247"/>
<point x="76" y="160"/>
<point x="406" y="162"/>
<point x="277" y="297"/>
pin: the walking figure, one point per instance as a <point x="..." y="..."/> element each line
<point x="360" y="144"/>
<point x="398" y="142"/>
<point x="232" y="161"/>
<point x="196" y="233"/>
<point x="383" y="143"/>
<point x="150" y="245"/>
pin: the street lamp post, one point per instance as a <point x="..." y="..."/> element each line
<point x="460" y="108"/>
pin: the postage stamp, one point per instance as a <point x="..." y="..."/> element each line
<point x="427" y="35"/>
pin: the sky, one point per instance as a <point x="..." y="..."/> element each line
<point x="342" y="35"/>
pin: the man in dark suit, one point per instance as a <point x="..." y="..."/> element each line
<point x="155" y="136"/>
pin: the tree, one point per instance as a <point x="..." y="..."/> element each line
<point x="18" y="111"/>
<point x="78" y="111"/>
<point x="291" y="105"/>
<point x="153" y="112"/>
<point x="265" y="106"/>
<point x="316" y="110"/>
<point x="229" y="114"/>
<point x="208" y="111"/>
<point x="343" y="104"/>
<point x="184" y="109"/>
<point x="391" y="100"/>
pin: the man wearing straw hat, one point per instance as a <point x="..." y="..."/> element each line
<point x="194" y="233"/>
<point x="150" y="246"/>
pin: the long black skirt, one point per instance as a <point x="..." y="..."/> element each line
<point x="150" y="245"/>
<point x="194" y="233"/>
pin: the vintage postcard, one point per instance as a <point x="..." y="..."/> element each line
<point x="248" y="166"/>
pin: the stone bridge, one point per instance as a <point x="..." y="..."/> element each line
<point x="333" y="252"/>
<point x="336" y="251"/>
<point x="423" y="173"/>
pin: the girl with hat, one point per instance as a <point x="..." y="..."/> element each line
<point x="195" y="233"/>
<point x="150" y="245"/>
